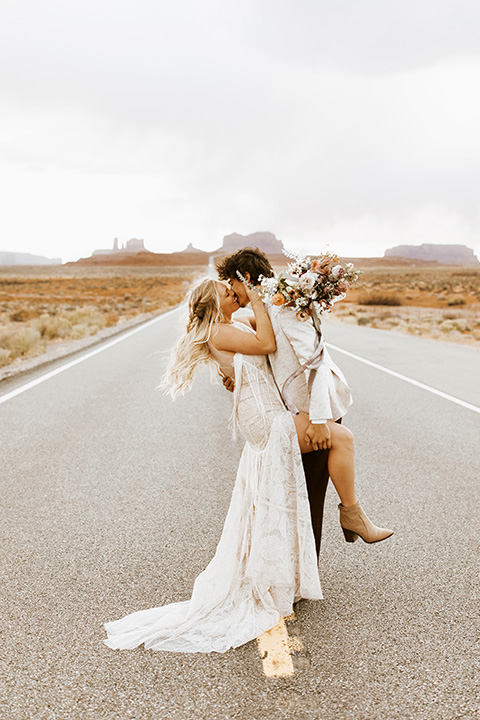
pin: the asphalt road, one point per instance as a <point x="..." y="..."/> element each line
<point x="113" y="500"/>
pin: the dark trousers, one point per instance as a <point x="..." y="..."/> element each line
<point x="315" y="466"/>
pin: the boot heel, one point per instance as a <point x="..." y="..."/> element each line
<point x="349" y="535"/>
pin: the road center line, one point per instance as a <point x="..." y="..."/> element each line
<point x="274" y="648"/>
<point x="67" y="366"/>
<point x="421" y="385"/>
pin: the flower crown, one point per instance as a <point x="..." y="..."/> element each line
<point x="309" y="286"/>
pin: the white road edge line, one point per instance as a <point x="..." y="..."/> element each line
<point x="67" y="366"/>
<point x="441" y="394"/>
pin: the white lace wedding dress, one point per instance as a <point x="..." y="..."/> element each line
<point x="266" y="559"/>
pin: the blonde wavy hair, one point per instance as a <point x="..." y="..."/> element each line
<point x="192" y="350"/>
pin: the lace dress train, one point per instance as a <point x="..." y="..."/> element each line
<point x="266" y="557"/>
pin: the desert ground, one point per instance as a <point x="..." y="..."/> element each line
<point x="437" y="302"/>
<point x="41" y="307"/>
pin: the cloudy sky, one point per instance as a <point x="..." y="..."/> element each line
<point x="348" y="124"/>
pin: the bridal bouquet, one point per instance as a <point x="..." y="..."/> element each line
<point x="311" y="287"/>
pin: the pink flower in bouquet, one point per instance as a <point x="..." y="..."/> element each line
<point x="302" y="315"/>
<point x="315" y="266"/>
<point x="278" y="299"/>
<point x="343" y="286"/>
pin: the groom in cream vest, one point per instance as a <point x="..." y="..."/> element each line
<point x="322" y="393"/>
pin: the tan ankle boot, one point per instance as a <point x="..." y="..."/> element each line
<point x="354" y="522"/>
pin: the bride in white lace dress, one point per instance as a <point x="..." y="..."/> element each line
<point x="266" y="559"/>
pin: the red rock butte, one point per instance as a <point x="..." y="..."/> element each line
<point x="133" y="252"/>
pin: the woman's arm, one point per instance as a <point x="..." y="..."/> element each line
<point x="229" y="338"/>
<point x="248" y="320"/>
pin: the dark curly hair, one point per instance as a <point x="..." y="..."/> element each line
<point x="247" y="260"/>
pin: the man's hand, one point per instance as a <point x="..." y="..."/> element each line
<point x="228" y="383"/>
<point x="318" y="436"/>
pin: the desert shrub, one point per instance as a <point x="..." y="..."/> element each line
<point x="86" y="316"/>
<point x="393" y="321"/>
<point x="5" y="356"/>
<point x="41" y="324"/>
<point x="456" y="301"/>
<point x="450" y="316"/>
<point x="364" y="320"/>
<point x="386" y="315"/>
<point x="447" y="326"/>
<point x="462" y="324"/>
<point x="77" y="332"/>
<point x="415" y="328"/>
<point x="24" y="341"/>
<point x="377" y="298"/>
<point x="23" y="315"/>
<point x="111" y="318"/>
<point x="53" y="327"/>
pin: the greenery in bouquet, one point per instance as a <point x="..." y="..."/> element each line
<point x="308" y="285"/>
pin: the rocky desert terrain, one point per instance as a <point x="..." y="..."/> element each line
<point x="42" y="306"/>
<point x="438" y="302"/>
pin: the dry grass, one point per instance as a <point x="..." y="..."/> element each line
<point x="437" y="302"/>
<point x="437" y="287"/>
<point x="462" y="325"/>
<point x="40" y="306"/>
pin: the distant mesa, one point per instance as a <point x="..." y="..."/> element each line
<point x="14" y="258"/>
<point x="135" y="253"/>
<point x="131" y="246"/>
<point x="191" y="249"/>
<point x="444" y="254"/>
<point x="265" y="241"/>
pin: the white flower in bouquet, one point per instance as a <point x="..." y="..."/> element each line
<point x="269" y="284"/>
<point x="308" y="280"/>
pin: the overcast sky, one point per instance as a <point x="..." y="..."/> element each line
<point x="347" y="124"/>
